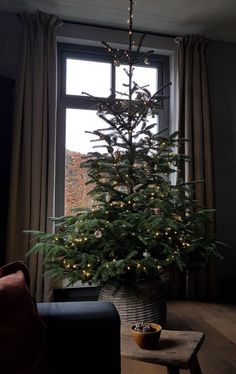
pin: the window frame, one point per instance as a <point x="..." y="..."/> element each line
<point x="65" y="101"/>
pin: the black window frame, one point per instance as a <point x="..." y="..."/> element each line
<point x="65" y="101"/>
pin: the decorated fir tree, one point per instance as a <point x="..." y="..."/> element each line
<point x="141" y="222"/>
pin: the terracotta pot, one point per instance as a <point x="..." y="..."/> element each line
<point x="147" y="340"/>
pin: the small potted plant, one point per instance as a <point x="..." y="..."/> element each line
<point x="146" y="335"/>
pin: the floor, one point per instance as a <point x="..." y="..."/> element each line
<point x="217" y="321"/>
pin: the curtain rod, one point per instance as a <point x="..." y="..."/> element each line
<point x="116" y="28"/>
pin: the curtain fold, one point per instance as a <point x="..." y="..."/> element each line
<point x="31" y="199"/>
<point x="194" y="123"/>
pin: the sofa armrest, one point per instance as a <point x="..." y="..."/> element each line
<point x="82" y="334"/>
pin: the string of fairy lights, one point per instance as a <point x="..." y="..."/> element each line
<point x="140" y="223"/>
<point x="142" y="226"/>
<point x="87" y="270"/>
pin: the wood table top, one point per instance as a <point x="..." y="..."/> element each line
<point x="175" y="348"/>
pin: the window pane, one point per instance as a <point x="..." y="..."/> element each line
<point x="141" y="75"/>
<point x="78" y="144"/>
<point x="88" y="76"/>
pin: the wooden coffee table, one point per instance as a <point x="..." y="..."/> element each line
<point x="177" y="349"/>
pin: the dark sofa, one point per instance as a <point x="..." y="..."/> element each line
<point x="82" y="337"/>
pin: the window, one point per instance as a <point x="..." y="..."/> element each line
<point x="86" y="74"/>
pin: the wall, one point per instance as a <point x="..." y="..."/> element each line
<point x="10" y="33"/>
<point x="222" y="77"/>
<point x="10" y="30"/>
<point x="7" y="87"/>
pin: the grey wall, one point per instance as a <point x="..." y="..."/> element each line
<point x="222" y="77"/>
<point x="10" y="33"/>
<point x="10" y="30"/>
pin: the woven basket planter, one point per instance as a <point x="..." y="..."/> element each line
<point x="140" y="302"/>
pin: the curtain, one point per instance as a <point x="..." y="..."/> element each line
<point x="31" y="199"/>
<point x="194" y="123"/>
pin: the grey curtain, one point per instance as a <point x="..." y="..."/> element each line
<point x="33" y="157"/>
<point x="194" y="123"/>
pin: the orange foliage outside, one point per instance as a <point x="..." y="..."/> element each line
<point x="76" y="190"/>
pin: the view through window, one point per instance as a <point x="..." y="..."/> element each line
<point x="94" y="74"/>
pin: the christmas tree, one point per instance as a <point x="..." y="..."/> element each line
<point x="141" y="223"/>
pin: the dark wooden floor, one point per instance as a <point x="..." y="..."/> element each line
<point x="217" y="321"/>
